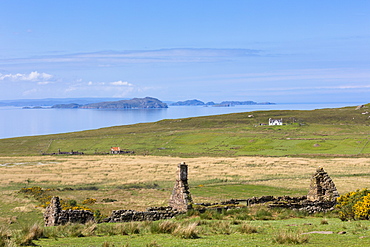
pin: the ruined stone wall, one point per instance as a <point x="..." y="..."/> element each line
<point x="295" y="203"/>
<point x="321" y="198"/>
<point x="322" y="187"/>
<point x="180" y="199"/>
<point x="131" y="215"/>
<point x="54" y="215"/>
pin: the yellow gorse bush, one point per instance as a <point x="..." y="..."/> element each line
<point x="354" y="205"/>
<point x="89" y="201"/>
<point x="43" y="196"/>
<point x="362" y="208"/>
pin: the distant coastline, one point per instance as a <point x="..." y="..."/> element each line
<point x="19" y="122"/>
<point x="196" y="102"/>
<point x="138" y="103"/>
<point x="109" y="103"/>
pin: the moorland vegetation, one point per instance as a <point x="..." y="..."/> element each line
<point x="229" y="156"/>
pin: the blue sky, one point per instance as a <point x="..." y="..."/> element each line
<point x="211" y="50"/>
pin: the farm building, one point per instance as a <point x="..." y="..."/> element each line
<point x="274" y="121"/>
<point x="115" y="150"/>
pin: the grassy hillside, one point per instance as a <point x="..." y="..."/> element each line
<point x="324" y="132"/>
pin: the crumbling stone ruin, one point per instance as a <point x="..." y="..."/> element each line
<point x="152" y="214"/>
<point x="321" y="198"/>
<point x="54" y="215"/>
<point x="180" y="198"/>
<point x="322" y="187"/>
<point x="180" y="202"/>
<point x="295" y="203"/>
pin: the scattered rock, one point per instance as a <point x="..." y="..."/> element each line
<point x="359" y="107"/>
<point x="319" y="232"/>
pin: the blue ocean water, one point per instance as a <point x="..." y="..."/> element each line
<point x="16" y="122"/>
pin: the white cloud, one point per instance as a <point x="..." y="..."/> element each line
<point x="33" y="76"/>
<point x="121" y="83"/>
<point x="43" y="82"/>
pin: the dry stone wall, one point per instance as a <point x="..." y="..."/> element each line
<point x="152" y="214"/>
<point x="54" y="215"/>
<point x="295" y="203"/>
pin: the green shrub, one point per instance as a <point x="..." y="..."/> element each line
<point x="108" y="200"/>
<point x="263" y="214"/>
<point x="354" y="205"/>
<point x="212" y="214"/>
<point x="99" y="216"/>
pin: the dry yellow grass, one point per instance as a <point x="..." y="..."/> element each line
<point x="348" y="173"/>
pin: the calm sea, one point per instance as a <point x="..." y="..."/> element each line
<point x="16" y="122"/>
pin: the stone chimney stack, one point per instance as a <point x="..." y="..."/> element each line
<point x="322" y="187"/>
<point x="51" y="214"/>
<point x="182" y="172"/>
<point x="181" y="198"/>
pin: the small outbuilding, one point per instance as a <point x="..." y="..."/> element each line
<point x="275" y="121"/>
<point x="115" y="150"/>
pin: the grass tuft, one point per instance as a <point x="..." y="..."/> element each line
<point x="287" y="237"/>
<point x="189" y="231"/>
<point x="248" y="229"/>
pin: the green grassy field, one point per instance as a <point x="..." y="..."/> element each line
<point x="228" y="233"/>
<point x="324" y="132"/>
<point x="230" y="156"/>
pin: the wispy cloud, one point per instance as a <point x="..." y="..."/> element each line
<point x="302" y="88"/>
<point x="111" y="58"/>
<point x="115" y="89"/>
<point x="121" y="83"/>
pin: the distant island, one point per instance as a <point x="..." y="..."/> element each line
<point x="112" y="103"/>
<point x="196" y="102"/>
<point x="140" y="103"/>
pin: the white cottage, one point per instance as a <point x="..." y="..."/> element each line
<point x="275" y="121"/>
